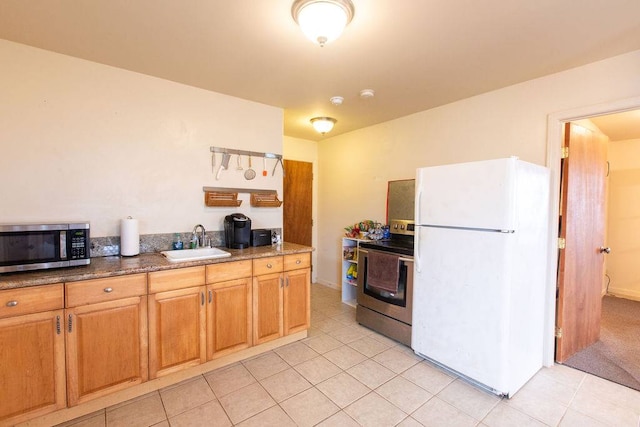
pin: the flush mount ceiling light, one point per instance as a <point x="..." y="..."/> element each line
<point x="336" y="100"/>
<point x="323" y="124"/>
<point x="322" y="21"/>
<point x="367" y="93"/>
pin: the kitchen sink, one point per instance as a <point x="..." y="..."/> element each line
<point x="194" y="254"/>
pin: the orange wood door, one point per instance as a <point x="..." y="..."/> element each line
<point x="228" y="317"/>
<point x="297" y="218"/>
<point x="582" y="225"/>
<point x="32" y="367"/>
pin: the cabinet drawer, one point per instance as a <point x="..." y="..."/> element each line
<point x="297" y="261"/>
<point x="34" y="299"/>
<point x="228" y="271"/>
<point x="267" y="265"/>
<point x="180" y="278"/>
<point x="108" y="289"/>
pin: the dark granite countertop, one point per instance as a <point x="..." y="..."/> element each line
<point x="116" y="266"/>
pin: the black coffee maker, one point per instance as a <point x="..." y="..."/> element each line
<point x="237" y="231"/>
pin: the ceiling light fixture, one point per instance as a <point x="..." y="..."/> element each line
<point x="367" y="93"/>
<point x="322" y="21"/>
<point x="323" y="124"/>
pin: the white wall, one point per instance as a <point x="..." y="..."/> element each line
<point x="354" y="168"/>
<point x="303" y="150"/>
<point x="84" y="141"/>
<point x="624" y="219"/>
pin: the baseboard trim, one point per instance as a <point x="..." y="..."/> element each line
<point x="624" y="293"/>
<point x="328" y="284"/>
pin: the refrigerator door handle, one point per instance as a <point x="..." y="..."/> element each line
<point x="418" y="220"/>
<point x="418" y="217"/>
<point x="416" y="245"/>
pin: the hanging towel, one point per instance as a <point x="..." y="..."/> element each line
<point x="382" y="271"/>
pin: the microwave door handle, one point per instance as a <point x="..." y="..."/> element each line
<point x="63" y="244"/>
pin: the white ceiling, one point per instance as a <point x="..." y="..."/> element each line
<point x="416" y="54"/>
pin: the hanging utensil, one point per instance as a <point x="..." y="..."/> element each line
<point x="273" y="172"/>
<point x="239" y="167"/>
<point x="249" y="174"/>
<point x="224" y="164"/>
<point x="213" y="162"/>
<point x="264" y="166"/>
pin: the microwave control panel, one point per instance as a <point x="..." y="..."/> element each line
<point x="79" y="240"/>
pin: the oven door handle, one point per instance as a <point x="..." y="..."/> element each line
<point x="405" y="259"/>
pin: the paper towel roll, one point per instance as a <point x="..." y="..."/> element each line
<point x="129" y="237"/>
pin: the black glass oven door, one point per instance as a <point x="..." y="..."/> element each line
<point x="399" y="298"/>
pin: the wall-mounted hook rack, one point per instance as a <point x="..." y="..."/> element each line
<point x="245" y="153"/>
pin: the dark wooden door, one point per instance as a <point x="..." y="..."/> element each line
<point x="297" y="213"/>
<point x="582" y="225"/>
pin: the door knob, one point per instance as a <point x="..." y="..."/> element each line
<point x="606" y="250"/>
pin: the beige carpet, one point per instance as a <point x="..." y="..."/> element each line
<point x="616" y="356"/>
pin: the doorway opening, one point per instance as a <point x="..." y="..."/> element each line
<point x="556" y="123"/>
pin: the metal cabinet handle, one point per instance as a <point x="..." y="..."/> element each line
<point x="281" y="282"/>
<point x="70" y="324"/>
<point x="287" y="282"/>
<point x="108" y="290"/>
<point x="210" y="296"/>
<point x="58" y="329"/>
<point x="298" y="261"/>
<point x="12" y="303"/>
<point x="606" y="250"/>
<point x="269" y="265"/>
<point x="201" y="298"/>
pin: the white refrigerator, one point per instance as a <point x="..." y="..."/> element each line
<point x="481" y="235"/>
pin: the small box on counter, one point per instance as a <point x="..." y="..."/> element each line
<point x="260" y="237"/>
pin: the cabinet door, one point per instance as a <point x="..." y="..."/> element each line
<point x="32" y="369"/>
<point x="297" y="310"/>
<point x="267" y="307"/>
<point x="177" y="325"/>
<point x="228" y="317"/>
<point x="106" y="347"/>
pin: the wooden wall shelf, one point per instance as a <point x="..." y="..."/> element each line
<point x="215" y="198"/>
<point x="228" y="197"/>
<point x="265" y="200"/>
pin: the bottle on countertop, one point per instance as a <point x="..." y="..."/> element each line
<point x="177" y="242"/>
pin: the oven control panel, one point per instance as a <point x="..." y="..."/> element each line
<point x="402" y="226"/>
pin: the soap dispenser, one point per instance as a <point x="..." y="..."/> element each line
<point x="177" y="242"/>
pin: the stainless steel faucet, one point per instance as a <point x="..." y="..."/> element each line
<point x="201" y="236"/>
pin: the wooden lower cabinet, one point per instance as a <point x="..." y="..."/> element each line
<point x="229" y="317"/>
<point x="267" y="307"/>
<point x="65" y="344"/>
<point x="32" y="366"/>
<point x="177" y="320"/>
<point x="281" y="301"/>
<point x="106" y="336"/>
<point x="296" y="304"/>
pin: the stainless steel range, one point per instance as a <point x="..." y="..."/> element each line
<point x="385" y="283"/>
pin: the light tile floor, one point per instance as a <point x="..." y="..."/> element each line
<point x="346" y="375"/>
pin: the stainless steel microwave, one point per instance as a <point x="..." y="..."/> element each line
<point x="39" y="246"/>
